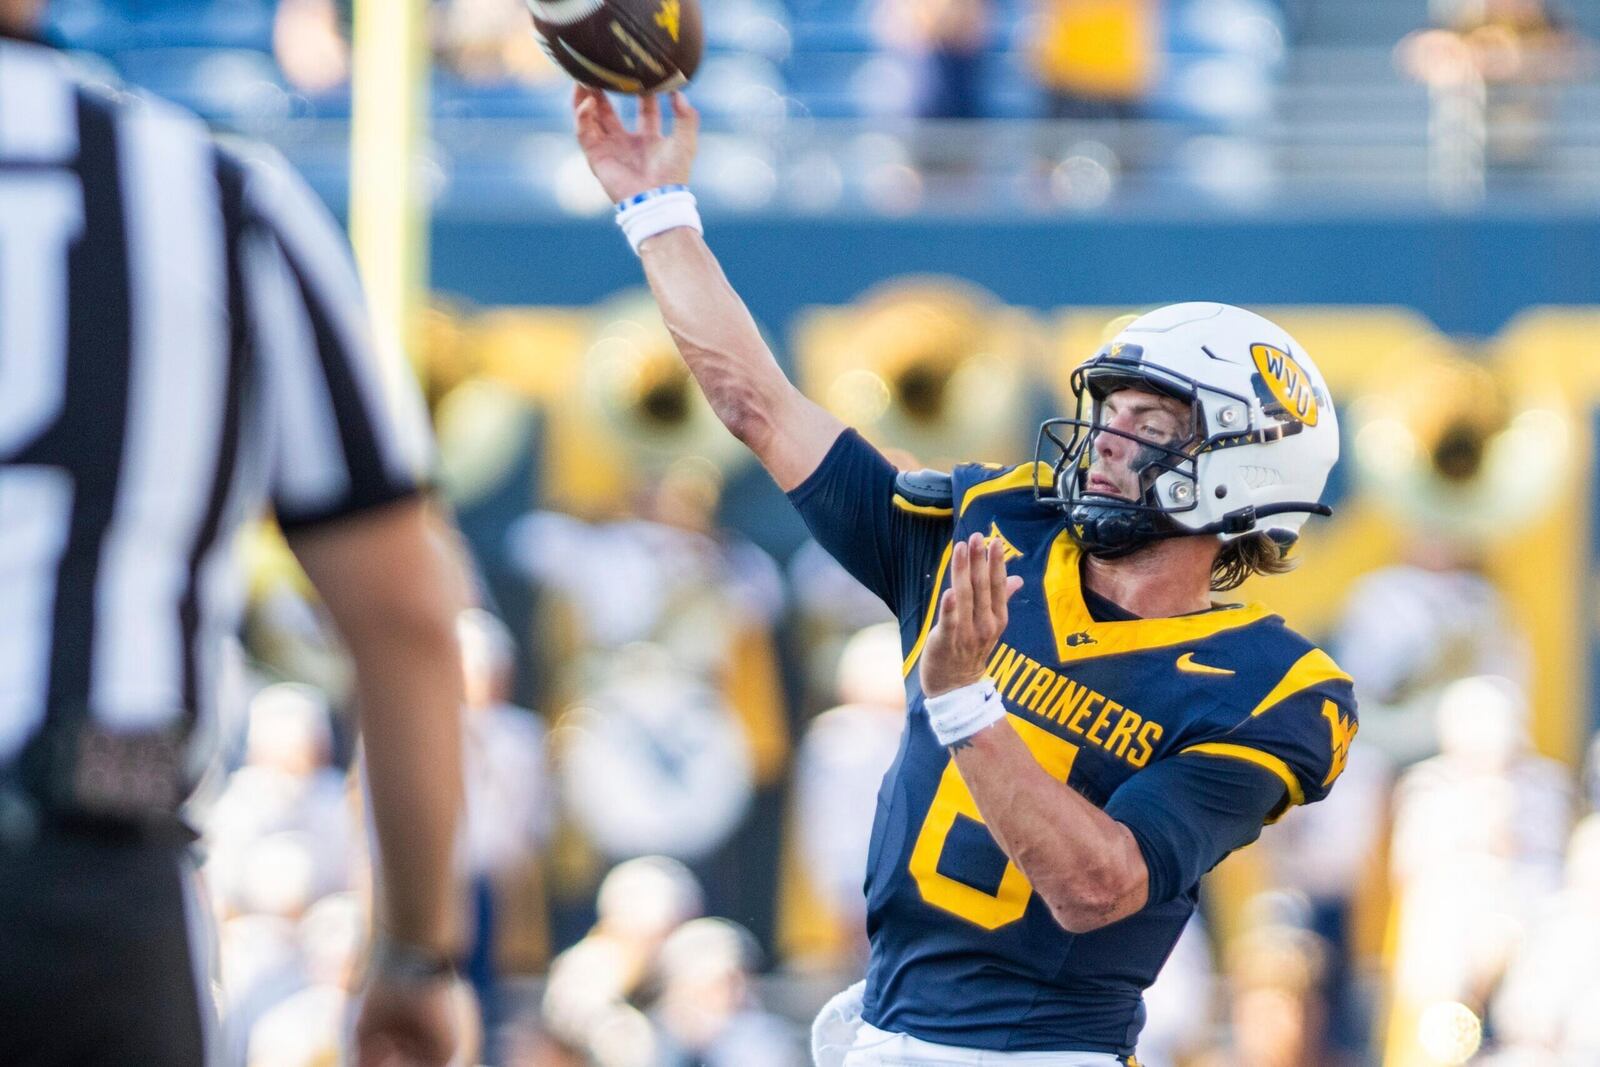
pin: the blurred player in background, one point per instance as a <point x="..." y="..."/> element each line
<point x="183" y="339"/>
<point x="1089" y="732"/>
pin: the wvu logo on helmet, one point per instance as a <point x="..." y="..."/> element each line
<point x="1289" y="384"/>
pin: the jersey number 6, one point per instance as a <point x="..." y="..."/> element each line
<point x="1009" y="902"/>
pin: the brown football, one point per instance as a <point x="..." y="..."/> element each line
<point x="626" y="46"/>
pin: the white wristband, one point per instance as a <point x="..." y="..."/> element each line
<point x="960" y="713"/>
<point x="657" y="210"/>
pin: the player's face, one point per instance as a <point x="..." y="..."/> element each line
<point x="1122" y="466"/>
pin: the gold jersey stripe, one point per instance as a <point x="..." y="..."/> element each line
<point x="1023" y="477"/>
<point x="933" y="609"/>
<point x="1311" y="669"/>
<point x="922" y="509"/>
<point x="1252" y="755"/>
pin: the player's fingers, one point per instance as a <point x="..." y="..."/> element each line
<point x="588" y="101"/>
<point x="997" y="587"/>
<point x="587" y="124"/>
<point x="1013" y="583"/>
<point x="977" y="574"/>
<point x="685" y="119"/>
<point x="605" y="113"/>
<point x="982" y="599"/>
<point x="650" y="116"/>
<point x="582" y="106"/>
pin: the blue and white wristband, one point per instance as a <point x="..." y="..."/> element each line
<point x="666" y="207"/>
<point x="960" y="713"/>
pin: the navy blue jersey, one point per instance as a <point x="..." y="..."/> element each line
<point x="1192" y="731"/>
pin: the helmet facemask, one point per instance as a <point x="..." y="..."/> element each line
<point x="1166" y="467"/>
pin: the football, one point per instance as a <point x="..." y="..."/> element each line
<point x="625" y="46"/>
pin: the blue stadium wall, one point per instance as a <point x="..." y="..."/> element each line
<point x="1469" y="275"/>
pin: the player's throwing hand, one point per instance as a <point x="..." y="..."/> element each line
<point x="972" y="615"/>
<point x="628" y="162"/>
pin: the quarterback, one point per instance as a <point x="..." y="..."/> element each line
<point x="1089" y="731"/>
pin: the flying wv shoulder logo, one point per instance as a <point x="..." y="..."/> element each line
<point x="1287" y="381"/>
<point x="1341" y="731"/>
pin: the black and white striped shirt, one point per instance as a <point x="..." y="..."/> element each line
<point x="183" y="339"/>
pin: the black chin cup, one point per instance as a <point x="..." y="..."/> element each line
<point x="1109" y="529"/>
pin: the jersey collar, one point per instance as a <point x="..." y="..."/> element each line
<point x="1079" y="636"/>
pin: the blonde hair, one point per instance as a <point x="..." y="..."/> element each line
<point x="1255" y="553"/>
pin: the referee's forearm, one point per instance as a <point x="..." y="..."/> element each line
<point x="394" y="588"/>
<point x="408" y="695"/>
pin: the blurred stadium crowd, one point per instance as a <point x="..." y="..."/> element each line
<point x="823" y="105"/>
<point x="680" y="710"/>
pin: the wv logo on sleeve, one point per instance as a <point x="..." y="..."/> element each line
<point x="1288" y="383"/>
<point x="1342" y="730"/>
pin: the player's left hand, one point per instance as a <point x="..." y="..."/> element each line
<point x="972" y="616"/>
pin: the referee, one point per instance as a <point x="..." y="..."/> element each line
<point x="182" y="341"/>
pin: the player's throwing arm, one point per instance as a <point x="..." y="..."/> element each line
<point x="1083" y="863"/>
<point x="646" y="173"/>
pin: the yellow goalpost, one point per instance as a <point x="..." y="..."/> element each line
<point x="388" y="209"/>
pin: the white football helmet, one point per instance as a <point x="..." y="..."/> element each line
<point x="1263" y="437"/>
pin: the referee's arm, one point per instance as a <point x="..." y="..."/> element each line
<point x="351" y="452"/>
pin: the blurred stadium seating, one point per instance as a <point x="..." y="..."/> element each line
<point x="1257" y="104"/>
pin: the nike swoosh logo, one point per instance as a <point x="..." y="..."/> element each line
<point x="1186" y="663"/>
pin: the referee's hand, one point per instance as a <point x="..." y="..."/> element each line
<point x="411" y="1025"/>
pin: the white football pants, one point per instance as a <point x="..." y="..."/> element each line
<point x="880" y="1048"/>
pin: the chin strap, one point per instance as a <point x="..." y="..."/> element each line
<point x="1244" y="520"/>
<point x="1234" y="522"/>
